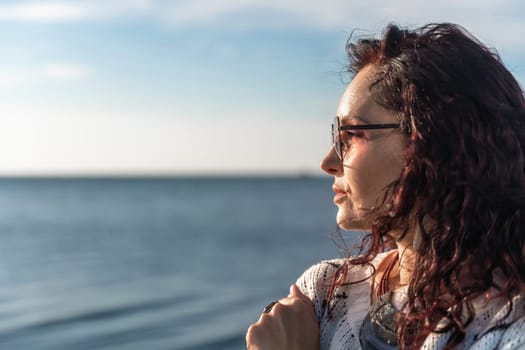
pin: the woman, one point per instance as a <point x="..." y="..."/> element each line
<point x="428" y="156"/>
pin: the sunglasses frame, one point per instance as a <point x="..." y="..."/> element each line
<point x="337" y="128"/>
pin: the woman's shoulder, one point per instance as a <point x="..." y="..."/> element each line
<point x="514" y="336"/>
<point x="507" y="326"/>
<point x="318" y="278"/>
<point x="498" y="324"/>
<point x="314" y="281"/>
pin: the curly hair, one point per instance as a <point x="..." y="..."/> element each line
<point x="464" y="114"/>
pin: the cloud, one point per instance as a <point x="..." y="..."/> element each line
<point x="328" y="14"/>
<point x="68" y="11"/>
<point x="53" y="71"/>
<point x="44" y="12"/>
<point x="333" y="13"/>
<point x="66" y="71"/>
<point x="503" y="24"/>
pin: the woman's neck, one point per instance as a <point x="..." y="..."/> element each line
<point x="405" y="266"/>
<point x="395" y="270"/>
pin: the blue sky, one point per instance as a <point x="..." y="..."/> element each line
<point x="195" y="87"/>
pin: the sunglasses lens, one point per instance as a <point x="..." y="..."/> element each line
<point x="335" y="137"/>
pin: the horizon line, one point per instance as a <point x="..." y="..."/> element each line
<point x="153" y="175"/>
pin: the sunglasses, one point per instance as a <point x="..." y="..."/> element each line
<point x="337" y="128"/>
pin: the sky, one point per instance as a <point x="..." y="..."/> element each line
<point x="196" y="87"/>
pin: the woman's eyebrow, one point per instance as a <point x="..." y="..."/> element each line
<point x="354" y="118"/>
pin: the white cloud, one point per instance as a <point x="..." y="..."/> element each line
<point x="69" y="11"/>
<point x="44" y="12"/>
<point x="503" y="24"/>
<point x="332" y="13"/>
<point x="53" y="71"/>
<point x="66" y="71"/>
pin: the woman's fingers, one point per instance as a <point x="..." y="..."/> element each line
<point x="296" y="292"/>
<point x="297" y="296"/>
<point x="290" y="324"/>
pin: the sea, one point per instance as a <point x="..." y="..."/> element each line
<point x="153" y="263"/>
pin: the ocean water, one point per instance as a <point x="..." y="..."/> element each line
<point x="157" y="264"/>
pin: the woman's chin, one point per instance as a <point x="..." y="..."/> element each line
<point x="350" y="221"/>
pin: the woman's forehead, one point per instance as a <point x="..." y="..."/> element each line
<point x="357" y="103"/>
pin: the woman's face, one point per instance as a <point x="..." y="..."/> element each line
<point x="372" y="158"/>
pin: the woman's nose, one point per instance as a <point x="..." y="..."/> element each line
<point x="331" y="163"/>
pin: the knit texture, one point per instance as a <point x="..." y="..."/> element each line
<point x="340" y="318"/>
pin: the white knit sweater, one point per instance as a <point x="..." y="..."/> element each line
<point x="340" y="318"/>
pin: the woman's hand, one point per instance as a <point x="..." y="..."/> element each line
<point x="290" y="324"/>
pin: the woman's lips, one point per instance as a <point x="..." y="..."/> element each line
<point x="340" y="195"/>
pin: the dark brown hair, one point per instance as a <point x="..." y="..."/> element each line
<point x="464" y="114"/>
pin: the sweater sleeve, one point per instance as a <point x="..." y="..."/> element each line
<point x="316" y="281"/>
<point x="340" y="317"/>
<point x="514" y="336"/>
